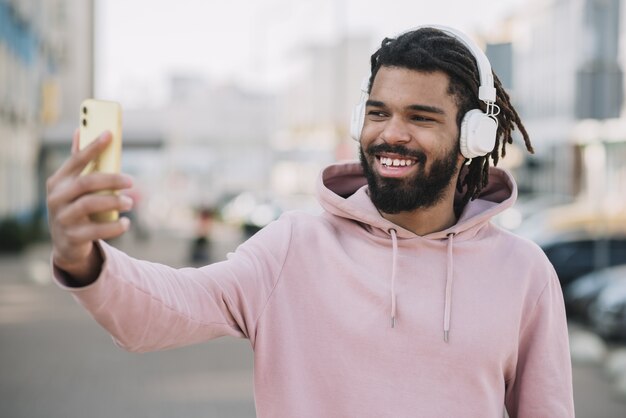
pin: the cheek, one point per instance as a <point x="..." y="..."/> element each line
<point x="370" y="128"/>
<point x="444" y="148"/>
<point x="368" y="135"/>
<point x="451" y="140"/>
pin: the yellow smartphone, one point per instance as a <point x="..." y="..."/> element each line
<point x="97" y="116"/>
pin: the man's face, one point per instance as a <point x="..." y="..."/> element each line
<point x="409" y="143"/>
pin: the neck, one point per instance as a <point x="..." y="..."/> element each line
<point x="424" y="221"/>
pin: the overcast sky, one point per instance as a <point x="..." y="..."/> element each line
<point x="140" y="43"/>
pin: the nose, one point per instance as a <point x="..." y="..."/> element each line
<point x="395" y="131"/>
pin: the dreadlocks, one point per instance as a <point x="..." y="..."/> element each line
<point x="431" y="50"/>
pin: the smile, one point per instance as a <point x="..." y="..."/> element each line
<point x="396" y="162"/>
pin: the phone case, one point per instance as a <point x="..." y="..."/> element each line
<point x="97" y="116"/>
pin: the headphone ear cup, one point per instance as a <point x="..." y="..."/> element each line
<point x="478" y="134"/>
<point x="357" y="120"/>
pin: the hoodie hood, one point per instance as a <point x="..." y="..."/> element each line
<point x="342" y="191"/>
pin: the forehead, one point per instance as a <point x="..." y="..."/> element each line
<point x="406" y="87"/>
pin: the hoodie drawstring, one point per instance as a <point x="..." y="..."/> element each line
<point x="449" y="279"/>
<point x="394" y="260"/>
<point x="448" y="299"/>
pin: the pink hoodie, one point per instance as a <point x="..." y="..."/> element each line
<point x="350" y="315"/>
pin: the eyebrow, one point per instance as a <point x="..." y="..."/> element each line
<point x="418" y="107"/>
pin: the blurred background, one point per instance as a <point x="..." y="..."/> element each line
<point x="230" y="111"/>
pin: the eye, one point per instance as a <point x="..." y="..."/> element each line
<point x="421" y="118"/>
<point x="376" y="114"/>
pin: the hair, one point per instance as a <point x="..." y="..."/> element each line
<point x="430" y="50"/>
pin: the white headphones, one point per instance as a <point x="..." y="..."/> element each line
<point x="478" y="128"/>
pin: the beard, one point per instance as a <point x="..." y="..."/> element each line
<point x="421" y="190"/>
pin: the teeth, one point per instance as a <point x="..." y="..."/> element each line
<point x="396" y="162"/>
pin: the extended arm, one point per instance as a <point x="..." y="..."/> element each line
<point x="148" y="306"/>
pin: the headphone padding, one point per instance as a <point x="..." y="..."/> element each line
<point x="478" y="134"/>
<point x="357" y="121"/>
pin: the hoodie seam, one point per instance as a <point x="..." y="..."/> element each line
<point x="113" y="267"/>
<point x="113" y="273"/>
<point x="278" y="280"/>
<point x="523" y="329"/>
<point x="170" y="307"/>
<point x="545" y="287"/>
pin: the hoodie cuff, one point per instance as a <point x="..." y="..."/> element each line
<point x="65" y="281"/>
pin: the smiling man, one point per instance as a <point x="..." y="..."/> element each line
<point x="401" y="300"/>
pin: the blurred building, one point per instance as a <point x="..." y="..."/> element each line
<point x="218" y="140"/>
<point x="568" y="85"/>
<point x="315" y="113"/>
<point x="205" y="145"/>
<point x="209" y="142"/>
<point x="46" y="67"/>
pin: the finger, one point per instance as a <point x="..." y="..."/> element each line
<point x="78" y="161"/>
<point x="76" y="141"/>
<point x="79" y="158"/>
<point x="88" y="232"/>
<point x="74" y="188"/>
<point x="77" y="211"/>
<point x="100" y="182"/>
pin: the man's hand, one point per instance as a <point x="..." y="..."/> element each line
<point x="71" y="199"/>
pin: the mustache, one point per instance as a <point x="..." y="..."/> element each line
<point x="417" y="155"/>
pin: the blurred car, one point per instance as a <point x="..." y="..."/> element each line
<point x="607" y="312"/>
<point x="578" y="238"/>
<point x="582" y="292"/>
<point x="573" y="220"/>
<point x="526" y="207"/>
<point x="580" y="254"/>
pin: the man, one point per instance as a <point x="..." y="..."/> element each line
<point x="400" y="300"/>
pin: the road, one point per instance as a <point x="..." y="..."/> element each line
<point x="56" y="363"/>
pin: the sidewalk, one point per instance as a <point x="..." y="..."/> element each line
<point x="599" y="375"/>
<point x="58" y="363"/>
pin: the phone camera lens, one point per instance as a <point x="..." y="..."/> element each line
<point x="84" y="122"/>
<point x="85" y="110"/>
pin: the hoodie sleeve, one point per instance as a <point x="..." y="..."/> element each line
<point x="149" y="306"/>
<point x="542" y="386"/>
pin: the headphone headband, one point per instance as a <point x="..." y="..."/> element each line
<point x="486" y="91"/>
